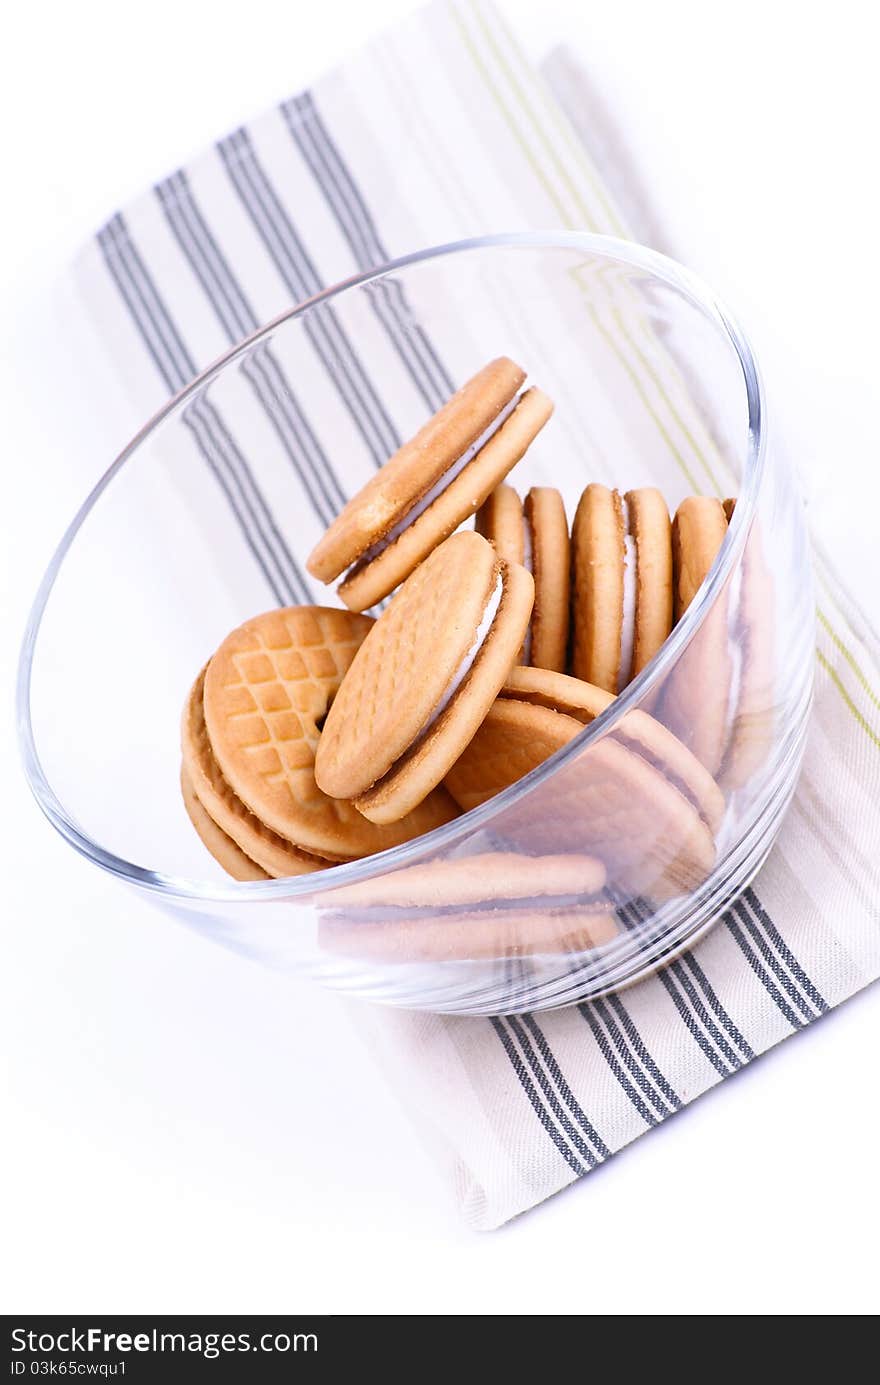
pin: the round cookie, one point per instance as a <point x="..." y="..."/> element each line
<point x="433" y="483"/>
<point x="424" y="677"/>
<point x="621" y="584"/>
<point x="497" y="904"/>
<point x="267" y="691"/>
<point x="221" y="847"/>
<point x="276" y="856"/>
<point x="535" y="533"/>
<point x="696" y="699"/>
<point x="619" y="801"/>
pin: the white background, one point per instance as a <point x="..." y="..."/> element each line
<point x="185" y="1132"/>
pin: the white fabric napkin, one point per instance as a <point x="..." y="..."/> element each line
<point x="368" y="164"/>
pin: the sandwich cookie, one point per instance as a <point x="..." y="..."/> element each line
<point x="273" y="855"/>
<point x="698" y="532"/>
<point x="424" y="678"/>
<point x="621" y="584"/>
<point x="267" y="691"/>
<point x="431" y="484"/>
<point x="699" y="695"/>
<point x="534" y="532"/>
<point x="222" y="848"/>
<point x="636" y="798"/>
<point x="491" y="905"/>
<point x="643" y="734"/>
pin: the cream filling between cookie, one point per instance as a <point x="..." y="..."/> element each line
<point x="469" y="659"/>
<point x="628" y="625"/>
<point x="529" y="565"/>
<point x="450" y="474"/>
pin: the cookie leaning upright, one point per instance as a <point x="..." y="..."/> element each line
<point x="621" y="584"/>
<point x="698" y="532"/>
<point x="433" y="483"/>
<point x="534" y="532"/>
<point x="424" y="678"/>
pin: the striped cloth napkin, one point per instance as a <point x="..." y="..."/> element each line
<point x="366" y="165"/>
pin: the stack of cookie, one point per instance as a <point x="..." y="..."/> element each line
<point x="317" y="735"/>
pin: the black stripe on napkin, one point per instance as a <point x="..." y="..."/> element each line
<point x="689" y="962"/>
<point x="551" y="1098"/>
<point x="763" y="976"/>
<point x="593" y="1014"/>
<point x="176" y="368"/>
<point x="537" y="1105"/>
<point x="346" y="202"/>
<point x="563" y="1087"/>
<point x="730" y="1059"/>
<point x="772" y="962"/>
<point x="776" y="939"/>
<point x="693" y="1003"/>
<point x="295" y="267"/>
<point x="262" y="370"/>
<point x="667" y="1097"/>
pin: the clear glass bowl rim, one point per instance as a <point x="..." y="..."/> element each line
<point x="442" y="838"/>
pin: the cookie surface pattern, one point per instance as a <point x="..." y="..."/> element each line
<point x="406" y="664"/>
<point x="430" y="757"/>
<point x="267" y="691"/>
<point x="259" y="843"/>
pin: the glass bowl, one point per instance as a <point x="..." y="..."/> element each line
<point x="207" y="518"/>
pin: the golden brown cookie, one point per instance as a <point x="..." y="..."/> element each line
<point x="431" y="484"/>
<point x="621" y="584"/>
<point x="535" y="533"/>
<point x="267" y="691"/>
<point x="491" y="905"/>
<point x="500" y="520"/>
<point x="621" y="800"/>
<point x="649" y="527"/>
<point x="698" y="532"/>
<point x="221" y="847"/>
<point x="424" y="678"/>
<point x="546" y="523"/>
<point x="276" y="856"/>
